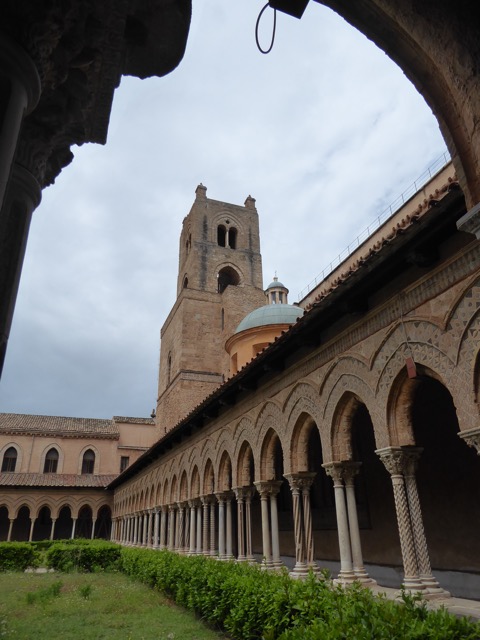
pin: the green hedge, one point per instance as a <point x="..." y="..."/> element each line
<point x="249" y="603"/>
<point x="83" y="555"/>
<point x="18" y="556"/>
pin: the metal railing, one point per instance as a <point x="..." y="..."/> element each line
<point x="387" y="213"/>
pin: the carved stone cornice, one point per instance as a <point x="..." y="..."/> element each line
<point x="472" y="438"/>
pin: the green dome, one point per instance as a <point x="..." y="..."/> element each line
<point x="270" y="314"/>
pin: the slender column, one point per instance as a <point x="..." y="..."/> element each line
<point x="335" y="471"/>
<point x="300" y="484"/>
<point x="52" y="530"/>
<point x="186" y="541"/>
<point x="205" y="503"/>
<point x="394" y="460"/>
<point x="350" y="470"/>
<point x="163" y="527"/>
<point x="156" y="527"/>
<point x="229" y="549"/>
<point x="145" y="522"/>
<point x="149" y="528"/>
<point x="213" y="551"/>
<point x="135" y="530"/>
<point x="171" y="527"/>
<point x="32" y="524"/>
<point x="199" y="527"/>
<point x="181" y="527"/>
<point x="191" y="548"/>
<point x="264" y="489"/>
<point x="240" y="495"/>
<point x="412" y="456"/>
<point x="10" y="527"/>
<point x="221" y="526"/>
<point x="274" y="489"/>
<point x="74" y="525"/>
<point x="249" y="493"/>
<point x="92" y="536"/>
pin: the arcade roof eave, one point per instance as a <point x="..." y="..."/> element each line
<point x="345" y="297"/>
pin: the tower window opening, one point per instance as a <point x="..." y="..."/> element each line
<point x="223" y="319"/>
<point x="221" y="235"/>
<point x="232" y="238"/>
<point x="280" y="297"/>
<point x="169" y="368"/>
<point x="227" y="277"/>
<point x="185" y="282"/>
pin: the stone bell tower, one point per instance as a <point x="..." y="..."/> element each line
<point x="219" y="283"/>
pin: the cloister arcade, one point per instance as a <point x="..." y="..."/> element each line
<point x="30" y="519"/>
<point x="344" y="460"/>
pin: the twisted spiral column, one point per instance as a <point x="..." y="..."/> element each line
<point x="412" y="456"/>
<point x="394" y="460"/>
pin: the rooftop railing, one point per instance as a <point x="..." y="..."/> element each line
<point x="386" y="214"/>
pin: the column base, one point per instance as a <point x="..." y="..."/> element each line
<point x="362" y="576"/>
<point x="433" y="588"/>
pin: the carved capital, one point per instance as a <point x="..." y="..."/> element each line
<point x="350" y="470"/>
<point x="268" y="488"/>
<point x="335" y="471"/>
<point x="301" y="481"/>
<point x="472" y="438"/>
<point x="394" y="460"/>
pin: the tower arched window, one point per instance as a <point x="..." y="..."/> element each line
<point x="232" y="238"/>
<point x="88" y="462"/>
<point x="169" y="368"/>
<point x="51" y="461"/>
<point x="227" y="277"/>
<point x="185" y="282"/>
<point x="9" y="461"/>
<point x="221" y="235"/>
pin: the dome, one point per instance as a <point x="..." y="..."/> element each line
<point x="275" y="283"/>
<point x="270" y="314"/>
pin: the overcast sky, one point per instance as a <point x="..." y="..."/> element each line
<point x="325" y="132"/>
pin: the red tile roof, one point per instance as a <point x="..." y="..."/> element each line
<point x="54" y="480"/>
<point x="58" y="425"/>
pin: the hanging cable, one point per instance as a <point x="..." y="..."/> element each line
<point x="273" y="32"/>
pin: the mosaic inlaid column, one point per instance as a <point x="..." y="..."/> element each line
<point x="394" y="460"/>
<point x="221" y="526"/>
<point x="350" y="470"/>
<point x="52" y="530"/>
<point x="163" y="527"/>
<point x="335" y="471"/>
<point x="240" y="495"/>
<point x="74" y="526"/>
<point x="32" y="524"/>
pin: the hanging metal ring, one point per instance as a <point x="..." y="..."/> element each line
<point x="273" y="33"/>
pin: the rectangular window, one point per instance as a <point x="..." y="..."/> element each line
<point x="124" y="462"/>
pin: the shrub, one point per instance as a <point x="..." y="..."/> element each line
<point x="81" y="555"/>
<point x="250" y="603"/>
<point x="18" y="556"/>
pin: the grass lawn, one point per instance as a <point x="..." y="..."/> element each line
<point x="91" y="607"/>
